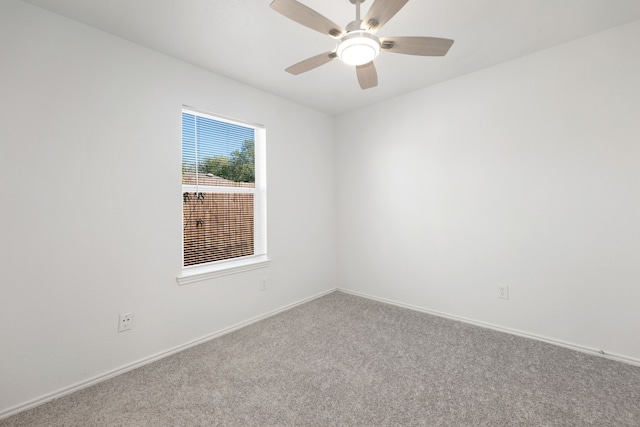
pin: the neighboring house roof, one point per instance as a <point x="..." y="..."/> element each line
<point x="189" y="178"/>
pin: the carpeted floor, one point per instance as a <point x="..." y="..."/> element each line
<point x="343" y="360"/>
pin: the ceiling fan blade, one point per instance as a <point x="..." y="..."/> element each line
<point x="423" y="46"/>
<point x="380" y="12"/>
<point x="306" y="16"/>
<point x="367" y="75"/>
<point x="311" y="63"/>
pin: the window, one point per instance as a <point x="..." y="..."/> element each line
<point x="223" y="196"/>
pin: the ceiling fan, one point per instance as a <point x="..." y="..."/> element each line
<point x="358" y="44"/>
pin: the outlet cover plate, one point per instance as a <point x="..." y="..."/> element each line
<point x="125" y="322"/>
<point x="503" y="291"/>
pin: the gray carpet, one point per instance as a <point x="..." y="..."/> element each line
<point x="342" y="360"/>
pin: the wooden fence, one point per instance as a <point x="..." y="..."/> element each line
<point x="216" y="226"/>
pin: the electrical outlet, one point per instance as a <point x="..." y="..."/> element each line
<point x="263" y="284"/>
<point x="503" y="291"/>
<point x="126" y="322"/>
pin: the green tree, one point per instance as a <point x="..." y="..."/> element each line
<point x="218" y="166"/>
<point x="242" y="163"/>
<point x="188" y="168"/>
<point x="238" y="167"/>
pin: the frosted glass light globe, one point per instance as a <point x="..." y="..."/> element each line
<point x="358" y="47"/>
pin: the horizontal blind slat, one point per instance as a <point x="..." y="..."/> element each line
<point x="218" y="175"/>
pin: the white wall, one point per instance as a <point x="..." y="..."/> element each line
<point x="525" y="174"/>
<point x="91" y="204"/>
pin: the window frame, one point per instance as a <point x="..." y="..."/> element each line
<point x="259" y="259"/>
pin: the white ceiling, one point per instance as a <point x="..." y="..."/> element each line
<point x="247" y="41"/>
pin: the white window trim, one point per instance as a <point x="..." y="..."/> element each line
<point x="222" y="268"/>
<point x="197" y="273"/>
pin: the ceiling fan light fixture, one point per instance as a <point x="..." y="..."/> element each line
<point x="358" y="47"/>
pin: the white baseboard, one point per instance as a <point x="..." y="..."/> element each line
<point x="114" y="373"/>
<point x="103" y="377"/>
<point x="572" y="346"/>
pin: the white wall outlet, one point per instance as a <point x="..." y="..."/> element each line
<point x="263" y="284"/>
<point x="503" y="291"/>
<point x="126" y="322"/>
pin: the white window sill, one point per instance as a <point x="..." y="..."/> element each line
<point x="225" y="268"/>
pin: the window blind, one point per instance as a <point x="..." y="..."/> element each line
<point x="223" y="185"/>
